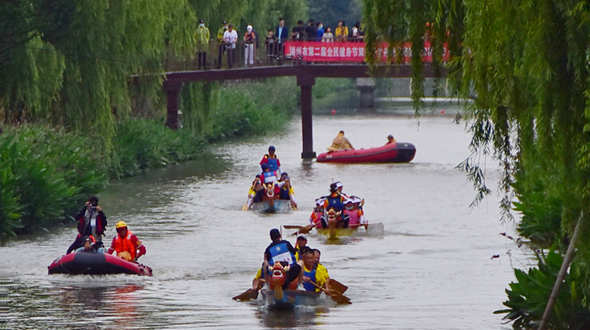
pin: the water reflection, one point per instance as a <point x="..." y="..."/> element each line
<point x="300" y="317"/>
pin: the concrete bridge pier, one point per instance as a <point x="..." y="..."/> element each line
<point x="172" y="89"/>
<point x="306" y="82"/>
<point x="366" y="86"/>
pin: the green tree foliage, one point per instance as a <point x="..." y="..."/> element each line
<point x="330" y="12"/>
<point x="69" y="62"/>
<point x="525" y="65"/>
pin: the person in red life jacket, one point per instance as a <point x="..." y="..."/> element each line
<point x="281" y="251"/>
<point x="126" y="244"/>
<point x="91" y="222"/>
<point x="317" y="215"/>
<point x="270" y="161"/>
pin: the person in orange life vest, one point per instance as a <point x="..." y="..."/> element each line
<point x="317" y="215"/>
<point x="126" y="243"/>
<point x="270" y="161"/>
<point x="390" y="139"/>
<point x="91" y="222"/>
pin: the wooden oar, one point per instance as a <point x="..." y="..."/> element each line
<point x="336" y="296"/>
<point x="292" y="226"/>
<point x="337" y="286"/>
<point x="247" y="295"/>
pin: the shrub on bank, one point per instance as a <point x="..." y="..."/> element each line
<point x="44" y="174"/>
<point x="141" y="144"/>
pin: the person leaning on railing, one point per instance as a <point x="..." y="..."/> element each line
<point x="298" y="33"/>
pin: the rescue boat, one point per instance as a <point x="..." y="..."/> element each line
<point x="96" y="263"/>
<point x="399" y="152"/>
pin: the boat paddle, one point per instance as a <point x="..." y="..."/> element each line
<point x="247" y="295"/>
<point x="338" y="297"/>
<point x="336" y="286"/>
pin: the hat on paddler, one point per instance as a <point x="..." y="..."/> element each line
<point x="121" y="224"/>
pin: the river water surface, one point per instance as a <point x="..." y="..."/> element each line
<point x="432" y="267"/>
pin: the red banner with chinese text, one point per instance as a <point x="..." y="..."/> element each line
<point x="315" y="51"/>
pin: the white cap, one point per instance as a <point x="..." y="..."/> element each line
<point x="249" y="28"/>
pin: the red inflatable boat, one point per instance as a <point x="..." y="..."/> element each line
<point x="96" y="263"/>
<point x="399" y="152"/>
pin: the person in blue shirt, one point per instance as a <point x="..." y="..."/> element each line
<point x="283" y="252"/>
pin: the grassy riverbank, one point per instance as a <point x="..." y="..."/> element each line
<point x="47" y="173"/>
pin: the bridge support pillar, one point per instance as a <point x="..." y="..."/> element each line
<point x="366" y="86"/>
<point x="172" y="89"/>
<point x="306" y="82"/>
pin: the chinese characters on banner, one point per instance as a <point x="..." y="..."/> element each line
<point x="313" y="51"/>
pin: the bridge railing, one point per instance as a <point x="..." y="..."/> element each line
<point x="220" y="55"/>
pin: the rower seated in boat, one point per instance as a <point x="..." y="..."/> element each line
<point x="281" y="253"/>
<point x="340" y="142"/>
<point x="317" y="215"/>
<point x="300" y="245"/>
<point x="126" y="244"/>
<point x="255" y="193"/>
<point x="286" y="190"/>
<point x="312" y="274"/>
<point x="354" y="212"/>
<point x="90" y="245"/>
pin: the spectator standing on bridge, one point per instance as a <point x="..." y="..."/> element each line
<point x="328" y="36"/>
<point x="220" y="43"/>
<point x="341" y="32"/>
<point x="249" y="40"/>
<point x="282" y="34"/>
<point x="230" y="38"/>
<point x="310" y="31"/>
<point x="202" y="37"/>
<point x="320" y="32"/>
<point x="356" y="34"/>
<point x="298" y="33"/>
<point x="271" y="46"/>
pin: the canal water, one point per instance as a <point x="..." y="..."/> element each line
<point x="432" y="267"/>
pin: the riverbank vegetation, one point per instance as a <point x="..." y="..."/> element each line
<point x="525" y="66"/>
<point x="72" y="116"/>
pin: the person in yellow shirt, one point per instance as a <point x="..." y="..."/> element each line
<point x="341" y="32"/>
<point x="321" y="271"/>
<point x="312" y="278"/>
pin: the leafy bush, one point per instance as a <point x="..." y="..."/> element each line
<point x="142" y="143"/>
<point x="44" y="173"/>
<point x="528" y="296"/>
